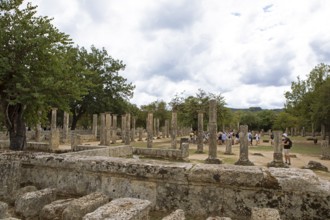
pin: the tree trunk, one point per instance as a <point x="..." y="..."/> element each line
<point x="16" y="126"/>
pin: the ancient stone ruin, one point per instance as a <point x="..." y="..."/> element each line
<point x="103" y="181"/>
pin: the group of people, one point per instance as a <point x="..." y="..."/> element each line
<point x="223" y="136"/>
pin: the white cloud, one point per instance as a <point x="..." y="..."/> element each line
<point x="249" y="51"/>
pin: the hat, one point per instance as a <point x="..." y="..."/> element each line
<point x="284" y="135"/>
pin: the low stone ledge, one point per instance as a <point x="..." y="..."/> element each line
<point x="176" y="215"/>
<point x="77" y="208"/>
<point x="113" y="151"/>
<point x="30" y="204"/>
<point x="294" y="179"/>
<point x="227" y="175"/>
<point x="175" y="154"/>
<point x="122" y="209"/>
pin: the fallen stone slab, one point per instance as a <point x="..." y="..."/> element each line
<point x="122" y="209"/>
<point x="314" y="165"/>
<point x="83" y="205"/>
<point x="30" y="204"/>
<point x="176" y="215"/>
<point x="265" y="213"/>
<point x="54" y="210"/>
<point x="21" y="192"/>
<point x="3" y="210"/>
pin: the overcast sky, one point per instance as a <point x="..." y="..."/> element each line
<point x="249" y="51"/>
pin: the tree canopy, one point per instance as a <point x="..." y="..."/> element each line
<point x="308" y="99"/>
<point x="34" y="73"/>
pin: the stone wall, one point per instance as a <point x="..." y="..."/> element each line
<point x="118" y="151"/>
<point x="176" y="154"/>
<point x="200" y="190"/>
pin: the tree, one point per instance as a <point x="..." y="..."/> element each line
<point x="285" y="120"/>
<point x="188" y="108"/>
<point x="34" y="74"/>
<point x="309" y="99"/>
<point x="107" y="90"/>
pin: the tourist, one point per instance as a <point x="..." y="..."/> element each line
<point x="224" y="137"/>
<point x="287" y="144"/>
<point x="250" y="138"/>
<point x="257" y="137"/>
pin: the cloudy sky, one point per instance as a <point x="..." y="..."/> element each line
<point x="247" y="51"/>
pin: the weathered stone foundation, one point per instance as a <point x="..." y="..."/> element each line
<point x="201" y="190"/>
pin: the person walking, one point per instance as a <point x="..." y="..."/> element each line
<point x="287" y="144"/>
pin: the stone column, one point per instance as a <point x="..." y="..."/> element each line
<point x="229" y="146"/>
<point x="38" y="133"/>
<point x="123" y="128"/>
<point x="303" y="132"/>
<point x="278" y="151"/>
<point x="150" y="129"/>
<point x="102" y="130"/>
<point x="128" y="129"/>
<point x="94" y="128"/>
<point x="157" y="128"/>
<point x="313" y="132"/>
<point x="140" y="130"/>
<point x="65" y="135"/>
<point x="167" y="128"/>
<point x="212" y="159"/>
<point x="107" y="132"/>
<point x="244" y="147"/>
<point x="174" y="130"/>
<point x="133" y="129"/>
<point x="200" y="132"/>
<point x="54" y="141"/>
<point x="325" y="150"/>
<point x="323" y="133"/>
<point x="114" y="129"/>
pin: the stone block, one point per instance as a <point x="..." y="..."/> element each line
<point x="54" y="210"/>
<point x="122" y="209"/>
<point x="81" y="206"/>
<point x="18" y="193"/>
<point x="3" y="210"/>
<point x="176" y="215"/>
<point x="30" y="204"/>
<point x="265" y="214"/>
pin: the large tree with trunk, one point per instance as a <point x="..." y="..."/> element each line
<point x="107" y="90"/>
<point x="35" y="70"/>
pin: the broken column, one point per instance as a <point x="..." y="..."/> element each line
<point x="102" y="130"/>
<point x="212" y="159"/>
<point x="200" y="132"/>
<point x="174" y="128"/>
<point x="94" y="128"/>
<point x="278" y="151"/>
<point x="228" y="143"/>
<point x="133" y="129"/>
<point x="123" y="128"/>
<point x="65" y="135"/>
<point x="54" y="141"/>
<point x="114" y="129"/>
<point x="325" y="150"/>
<point x="128" y="129"/>
<point x="140" y="130"/>
<point x="107" y="132"/>
<point x="167" y="128"/>
<point x="149" y="129"/>
<point x="243" y="147"/>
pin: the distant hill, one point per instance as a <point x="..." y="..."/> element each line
<point x="255" y="109"/>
